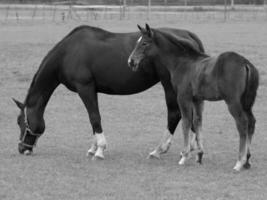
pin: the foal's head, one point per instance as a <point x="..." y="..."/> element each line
<point x="153" y="44"/>
<point x="145" y="47"/>
<point x="28" y="138"/>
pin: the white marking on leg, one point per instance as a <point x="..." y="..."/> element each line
<point x="240" y="163"/>
<point x="166" y="141"/>
<point x="27" y="152"/>
<point x="154" y="154"/>
<point x="193" y="143"/>
<point x="182" y="160"/>
<point x="238" y="166"/>
<point x="186" y="152"/>
<point x="93" y="147"/>
<point x="101" y="145"/>
<point x="163" y="146"/>
<point x="242" y="159"/>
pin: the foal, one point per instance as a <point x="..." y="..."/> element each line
<point x="196" y="77"/>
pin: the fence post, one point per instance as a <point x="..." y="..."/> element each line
<point x="148" y="9"/>
<point x="7" y="12"/>
<point x="43" y="12"/>
<point x="185" y="8"/>
<point x="54" y="13"/>
<point x="124" y="8"/>
<point x="225" y="10"/>
<point x="165" y="9"/>
<point x="232" y="4"/>
<point x="34" y="12"/>
<point x="17" y="14"/>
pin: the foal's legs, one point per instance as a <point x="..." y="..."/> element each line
<point x="241" y="120"/>
<point x="197" y="123"/>
<point x="186" y="111"/>
<point x="251" y="129"/>
<point x="88" y="95"/>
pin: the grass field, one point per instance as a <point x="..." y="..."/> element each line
<point x="59" y="168"/>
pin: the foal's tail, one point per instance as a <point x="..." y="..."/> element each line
<point x="252" y="83"/>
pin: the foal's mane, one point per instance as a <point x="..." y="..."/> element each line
<point x="182" y="43"/>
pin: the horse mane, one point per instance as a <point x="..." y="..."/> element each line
<point x="199" y="42"/>
<point x="183" y="43"/>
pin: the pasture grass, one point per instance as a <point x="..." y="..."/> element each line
<point x="133" y="125"/>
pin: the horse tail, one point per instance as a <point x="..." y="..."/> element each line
<point x="252" y="83"/>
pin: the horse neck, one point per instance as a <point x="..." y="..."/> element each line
<point x="173" y="56"/>
<point x="171" y="60"/>
<point x="41" y="89"/>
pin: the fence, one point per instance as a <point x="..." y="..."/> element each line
<point x="184" y="10"/>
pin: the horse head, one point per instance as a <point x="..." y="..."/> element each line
<point x="144" y="48"/>
<point x="28" y="136"/>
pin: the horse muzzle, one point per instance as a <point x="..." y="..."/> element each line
<point x="133" y="64"/>
<point x="24" y="149"/>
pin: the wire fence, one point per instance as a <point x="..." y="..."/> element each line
<point x="183" y="10"/>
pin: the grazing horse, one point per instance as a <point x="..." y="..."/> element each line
<point x="90" y="60"/>
<point x="196" y="77"/>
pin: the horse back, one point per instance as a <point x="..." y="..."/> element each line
<point x="95" y="55"/>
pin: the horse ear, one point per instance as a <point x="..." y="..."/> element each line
<point x="141" y="28"/>
<point x="19" y="104"/>
<point x="149" y="31"/>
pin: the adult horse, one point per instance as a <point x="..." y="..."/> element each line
<point x="91" y="60"/>
<point x="196" y="77"/>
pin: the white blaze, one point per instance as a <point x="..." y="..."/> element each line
<point x="130" y="57"/>
<point x="139" y="40"/>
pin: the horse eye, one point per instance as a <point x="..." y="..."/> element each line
<point x="144" y="43"/>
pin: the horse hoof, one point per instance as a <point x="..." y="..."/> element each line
<point x="98" y="157"/>
<point x="27" y="152"/>
<point x="238" y="166"/>
<point x="199" y="161"/>
<point x="182" y="161"/>
<point x="154" y="155"/>
<point x="90" y="153"/>
<point x="247" y="165"/>
<point x="199" y="157"/>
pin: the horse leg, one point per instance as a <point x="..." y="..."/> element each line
<point x="91" y="151"/>
<point x="241" y="120"/>
<point x="197" y="122"/>
<point x="251" y="129"/>
<point x="174" y="117"/>
<point x="193" y="143"/>
<point x="186" y="110"/>
<point x="185" y="153"/>
<point x="88" y="95"/>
